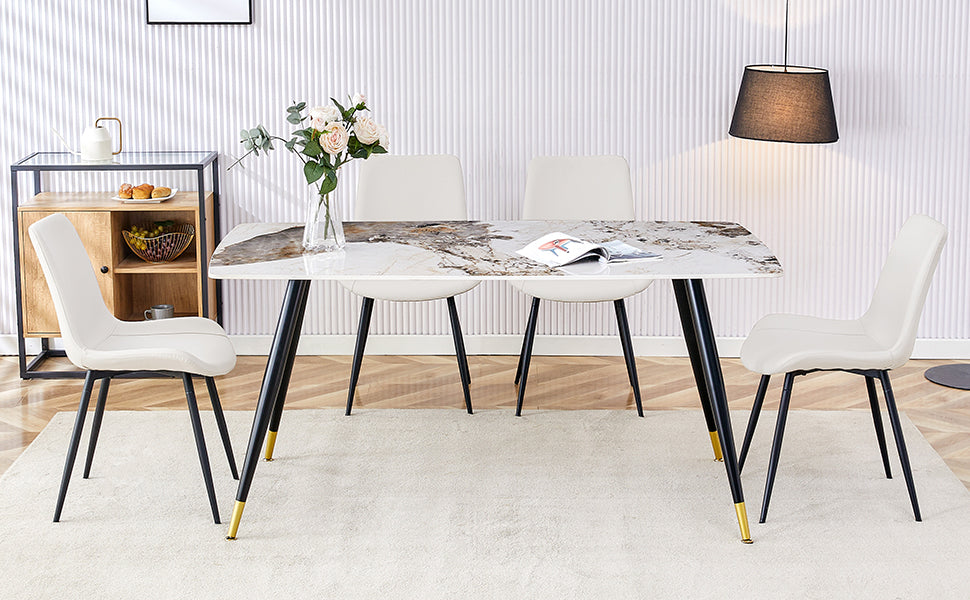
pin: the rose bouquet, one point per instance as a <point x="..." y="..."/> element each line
<point x="328" y="138"/>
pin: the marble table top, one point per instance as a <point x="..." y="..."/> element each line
<point x="441" y="250"/>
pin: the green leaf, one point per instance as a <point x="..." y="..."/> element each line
<point x="378" y="149"/>
<point x="290" y="145"/>
<point x="313" y="149"/>
<point x="313" y="171"/>
<point x="329" y="183"/>
<point x="293" y="118"/>
<point x="347" y="115"/>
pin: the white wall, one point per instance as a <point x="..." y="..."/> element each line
<point x="499" y="81"/>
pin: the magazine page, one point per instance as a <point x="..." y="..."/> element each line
<point x="618" y="251"/>
<point x="557" y="249"/>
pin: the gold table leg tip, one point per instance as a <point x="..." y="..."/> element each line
<point x="743" y="523"/>
<point x="716" y="444"/>
<point x="237" y="511"/>
<point x="270" y="445"/>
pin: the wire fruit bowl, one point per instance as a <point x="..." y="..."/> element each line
<point x="159" y="242"/>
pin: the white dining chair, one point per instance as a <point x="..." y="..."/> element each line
<point x="579" y="188"/>
<point x="410" y="188"/>
<point x="872" y="345"/>
<point x="105" y="347"/>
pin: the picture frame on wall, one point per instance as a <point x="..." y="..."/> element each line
<point x="199" y="12"/>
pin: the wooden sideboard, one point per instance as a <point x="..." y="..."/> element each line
<point x="129" y="284"/>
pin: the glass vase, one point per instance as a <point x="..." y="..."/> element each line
<point x="324" y="230"/>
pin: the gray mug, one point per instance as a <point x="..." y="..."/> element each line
<point x="160" y="311"/>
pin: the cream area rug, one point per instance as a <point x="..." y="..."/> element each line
<point x="391" y="504"/>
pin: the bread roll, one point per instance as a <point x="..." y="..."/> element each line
<point x="124" y="192"/>
<point x="161" y="192"/>
<point x="142" y="192"/>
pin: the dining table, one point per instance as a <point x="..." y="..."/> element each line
<point x="690" y="253"/>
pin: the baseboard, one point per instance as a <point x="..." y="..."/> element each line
<point x="550" y="345"/>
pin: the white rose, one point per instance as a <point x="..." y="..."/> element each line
<point x="321" y="116"/>
<point x="358" y="99"/>
<point x="382" y="138"/>
<point x="367" y="130"/>
<point x="334" y="139"/>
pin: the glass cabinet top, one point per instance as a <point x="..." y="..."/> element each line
<point x="57" y="161"/>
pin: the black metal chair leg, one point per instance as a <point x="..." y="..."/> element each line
<point x="626" y="340"/>
<point x="530" y="335"/>
<point x="96" y="425"/>
<point x="776" y="444"/>
<point x="900" y="442"/>
<point x="200" y="444"/>
<point x="759" y="400"/>
<point x="518" y="366"/>
<point x="460" y="355"/>
<point x="82" y="410"/>
<point x="210" y="385"/>
<point x="877" y="422"/>
<point x="363" y="326"/>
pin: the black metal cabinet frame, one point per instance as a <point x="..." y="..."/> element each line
<point x="40" y="162"/>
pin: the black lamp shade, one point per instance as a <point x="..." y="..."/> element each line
<point x="785" y="104"/>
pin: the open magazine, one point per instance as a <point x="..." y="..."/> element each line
<point x="558" y="249"/>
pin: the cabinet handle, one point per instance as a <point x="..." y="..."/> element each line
<point x="104" y="269"/>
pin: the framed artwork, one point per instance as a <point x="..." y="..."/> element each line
<point x="199" y="12"/>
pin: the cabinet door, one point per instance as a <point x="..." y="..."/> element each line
<point x="94" y="229"/>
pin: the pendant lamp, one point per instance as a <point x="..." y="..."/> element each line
<point x="783" y="103"/>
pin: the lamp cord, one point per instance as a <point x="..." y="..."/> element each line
<point x="786" y="36"/>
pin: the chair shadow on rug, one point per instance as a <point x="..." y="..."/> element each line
<point x="105" y="347"/>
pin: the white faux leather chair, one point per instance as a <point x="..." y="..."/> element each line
<point x="410" y="188"/>
<point x="881" y="340"/>
<point x="106" y="347"/>
<point x="579" y="188"/>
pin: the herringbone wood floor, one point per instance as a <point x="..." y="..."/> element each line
<point x="560" y="383"/>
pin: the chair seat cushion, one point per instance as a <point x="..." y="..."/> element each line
<point x="408" y="291"/>
<point x="582" y="291"/>
<point x="781" y="343"/>
<point x="185" y="344"/>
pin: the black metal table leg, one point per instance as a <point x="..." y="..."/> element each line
<point x="274" y="422"/>
<point x="696" y="303"/>
<point x="686" y="321"/>
<point x="294" y="303"/>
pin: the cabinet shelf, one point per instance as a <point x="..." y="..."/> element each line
<point x="133" y="264"/>
<point x="140" y="316"/>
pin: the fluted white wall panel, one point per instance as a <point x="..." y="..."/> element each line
<point x="497" y="82"/>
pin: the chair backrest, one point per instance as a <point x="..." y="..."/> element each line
<point x="577" y="188"/>
<point x="900" y="293"/>
<point x="83" y="318"/>
<point x="410" y="188"/>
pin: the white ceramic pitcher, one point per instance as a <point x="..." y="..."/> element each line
<point x="96" y="142"/>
